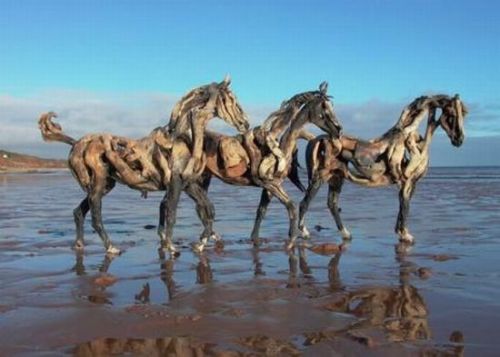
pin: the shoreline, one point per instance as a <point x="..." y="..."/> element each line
<point x="31" y="170"/>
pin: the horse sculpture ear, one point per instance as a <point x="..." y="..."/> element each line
<point x="323" y="87"/>
<point x="227" y="81"/>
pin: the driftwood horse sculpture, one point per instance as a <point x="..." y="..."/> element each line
<point x="169" y="158"/>
<point x="400" y="157"/>
<point x="257" y="158"/>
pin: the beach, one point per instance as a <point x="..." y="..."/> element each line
<point x="440" y="296"/>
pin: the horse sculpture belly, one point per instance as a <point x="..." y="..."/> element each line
<point x="367" y="159"/>
<point x="234" y="156"/>
<point x="226" y="157"/>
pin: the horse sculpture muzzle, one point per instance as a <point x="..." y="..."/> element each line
<point x="458" y="140"/>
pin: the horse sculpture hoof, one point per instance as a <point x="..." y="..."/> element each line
<point x="78" y="246"/>
<point x="403" y="248"/>
<point x="305" y="233"/>
<point x="113" y="250"/>
<point x="161" y="233"/>
<point x="198" y="247"/>
<point x="171" y="249"/>
<point x="215" y="237"/>
<point x="406" y="237"/>
<point x="290" y="244"/>
<point x="345" y="234"/>
<point x="256" y="242"/>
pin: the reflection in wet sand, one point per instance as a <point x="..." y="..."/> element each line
<point x="96" y="293"/>
<point x="204" y="273"/>
<point x="257" y="263"/>
<point x="400" y="311"/>
<point x="167" y="273"/>
<point x="143" y="295"/>
<point x="79" y="267"/>
<point x="203" y="270"/>
<point x="167" y="346"/>
<point x="382" y="315"/>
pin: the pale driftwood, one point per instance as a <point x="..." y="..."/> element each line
<point x="400" y="157"/>
<point x="170" y="158"/>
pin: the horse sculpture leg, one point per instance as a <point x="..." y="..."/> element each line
<point x="172" y="200"/>
<point x="204" y="208"/>
<point x="206" y="213"/>
<point x="334" y="189"/>
<point x="311" y="192"/>
<point x="79" y="217"/>
<point x="278" y="192"/>
<point x="161" y="219"/>
<point x="405" y="194"/>
<point x="99" y="190"/>
<point x="265" y="199"/>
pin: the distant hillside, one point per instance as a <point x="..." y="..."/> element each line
<point x="11" y="161"/>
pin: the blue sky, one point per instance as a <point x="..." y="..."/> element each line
<point x="381" y="53"/>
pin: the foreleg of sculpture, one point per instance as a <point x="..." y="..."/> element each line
<point x="311" y="192"/>
<point x="265" y="199"/>
<point x="405" y="194"/>
<point x="206" y="212"/>
<point x="172" y="200"/>
<point x="334" y="188"/>
<point x="99" y="190"/>
<point x="277" y="191"/>
<point x="161" y="219"/>
<point x="79" y="214"/>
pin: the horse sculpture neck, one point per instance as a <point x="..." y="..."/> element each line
<point x="280" y="120"/>
<point x="413" y="114"/>
<point x="289" y="138"/>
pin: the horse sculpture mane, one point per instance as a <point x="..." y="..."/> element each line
<point x="413" y="110"/>
<point x="214" y="97"/>
<point x="281" y="118"/>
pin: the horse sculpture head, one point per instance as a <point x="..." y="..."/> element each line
<point x="215" y="97"/>
<point x="319" y="111"/>
<point x="452" y="120"/>
<point x="227" y="107"/>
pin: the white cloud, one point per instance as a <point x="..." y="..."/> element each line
<point x="136" y="114"/>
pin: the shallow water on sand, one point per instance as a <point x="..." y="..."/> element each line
<point x="369" y="299"/>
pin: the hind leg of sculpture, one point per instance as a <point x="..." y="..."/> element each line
<point x="172" y="201"/>
<point x="278" y="192"/>
<point x="95" y="202"/>
<point x="334" y="189"/>
<point x="405" y="194"/>
<point x="311" y="192"/>
<point x="265" y="199"/>
<point x="205" y="181"/>
<point x="79" y="214"/>
<point x="206" y="212"/>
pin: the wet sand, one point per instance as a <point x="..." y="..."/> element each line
<point x="439" y="297"/>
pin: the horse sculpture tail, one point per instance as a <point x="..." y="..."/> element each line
<point x="311" y="158"/>
<point x="52" y="131"/>
<point x="293" y="174"/>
